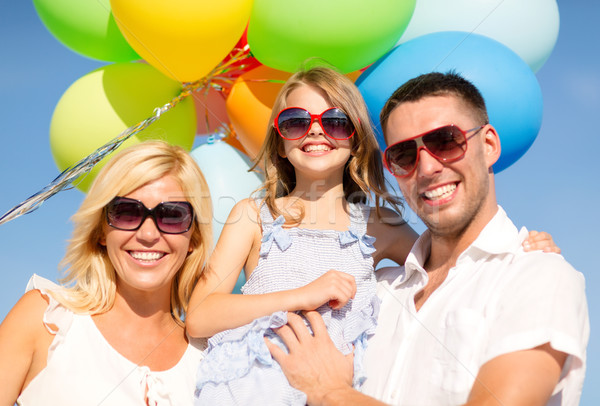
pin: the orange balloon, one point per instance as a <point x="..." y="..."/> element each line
<point x="249" y="105"/>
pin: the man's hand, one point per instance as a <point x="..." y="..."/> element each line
<point x="314" y="365"/>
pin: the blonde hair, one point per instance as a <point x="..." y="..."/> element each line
<point x="363" y="173"/>
<point x="88" y="271"/>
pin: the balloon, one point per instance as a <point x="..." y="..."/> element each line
<point x="211" y="113"/>
<point x="226" y="172"/>
<point x="86" y="27"/>
<point x="184" y="39"/>
<point x="249" y="105"/>
<point x="348" y="34"/>
<point x="103" y="103"/>
<point x="509" y="87"/>
<point x="529" y="28"/>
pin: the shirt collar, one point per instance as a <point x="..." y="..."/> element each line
<point x="499" y="236"/>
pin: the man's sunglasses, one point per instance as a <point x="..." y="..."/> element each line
<point x="446" y="144"/>
<point x="294" y="123"/>
<point x="127" y="214"/>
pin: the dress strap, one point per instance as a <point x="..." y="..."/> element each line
<point x="359" y="217"/>
<point x="272" y="231"/>
<point x="357" y="232"/>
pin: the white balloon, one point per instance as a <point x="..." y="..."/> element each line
<point x="528" y="27"/>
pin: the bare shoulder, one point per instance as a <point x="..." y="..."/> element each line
<point x="24" y="343"/>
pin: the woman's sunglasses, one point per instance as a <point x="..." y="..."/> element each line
<point x="446" y="144"/>
<point x="294" y="123"/>
<point x="127" y="214"/>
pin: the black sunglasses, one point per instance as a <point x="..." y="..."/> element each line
<point x="127" y="214"/>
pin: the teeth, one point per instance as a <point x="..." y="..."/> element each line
<point x="146" y="256"/>
<point x="315" y="147"/>
<point x="441" y="192"/>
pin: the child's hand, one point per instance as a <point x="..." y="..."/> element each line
<point x="540" y="241"/>
<point x="333" y="287"/>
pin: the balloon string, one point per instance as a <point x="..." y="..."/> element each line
<point x="66" y="178"/>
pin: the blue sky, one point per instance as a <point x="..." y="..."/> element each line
<point x="549" y="188"/>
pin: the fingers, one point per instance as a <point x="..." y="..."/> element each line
<point x="316" y="323"/>
<point x="540" y="241"/>
<point x="277" y="353"/>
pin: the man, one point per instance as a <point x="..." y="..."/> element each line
<point x="470" y="318"/>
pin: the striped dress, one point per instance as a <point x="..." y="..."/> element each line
<point x="238" y="368"/>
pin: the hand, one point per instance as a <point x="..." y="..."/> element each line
<point x="314" y="365"/>
<point x="333" y="287"/>
<point x="540" y="241"/>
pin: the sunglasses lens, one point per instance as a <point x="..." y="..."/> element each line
<point x="446" y="142"/>
<point x="401" y="158"/>
<point x="174" y="217"/>
<point x="125" y="214"/>
<point x="293" y="123"/>
<point x="337" y="124"/>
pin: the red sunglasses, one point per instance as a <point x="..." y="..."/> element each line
<point x="294" y="123"/>
<point x="446" y="144"/>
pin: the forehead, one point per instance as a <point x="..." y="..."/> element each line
<point x="413" y="118"/>
<point x="159" y="190"/>
<point x="308" y="97"/>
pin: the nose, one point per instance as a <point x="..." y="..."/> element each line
<point x="427" y="164"/>
<point x="148" y="232"/>
<point x="315" y="127"/>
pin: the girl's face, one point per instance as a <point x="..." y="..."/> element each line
<point x="315" y="156"/>
<point x="147" y="259"/>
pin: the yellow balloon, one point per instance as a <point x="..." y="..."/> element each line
<point x="102" y="104"/>
<point x="184" y="39"/>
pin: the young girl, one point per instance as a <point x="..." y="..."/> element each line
<point x="311" y="243"/>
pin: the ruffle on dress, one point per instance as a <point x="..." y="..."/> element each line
<point x="57" y="318"/>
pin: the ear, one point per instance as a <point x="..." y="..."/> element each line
<point x="492" y="147"/>
<point x="281" y="151"/>
<point x="102" y="241"/>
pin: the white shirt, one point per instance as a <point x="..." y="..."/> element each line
<point x="84" y="369"/>
<point x="496" y="300"/>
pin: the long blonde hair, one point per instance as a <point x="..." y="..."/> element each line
<point x="88" y="271"/>
<point x="363" y="173"/>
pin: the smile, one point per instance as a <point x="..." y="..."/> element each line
<point x="441" y="192"/>
<point x="146" y="256"/>
<point x="316" y="148"/>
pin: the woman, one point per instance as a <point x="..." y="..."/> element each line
<point x="114" y="333"/>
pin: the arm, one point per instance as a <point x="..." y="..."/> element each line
<point x="520" y="378"/>
<point x="213" y="308"/>
<point x="315" y="366"/>
<point x="24" y="343"/>
<point x="394" y="237"/>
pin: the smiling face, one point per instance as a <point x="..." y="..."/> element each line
<point x="315" y="156"/>
<point x="146" y="259"/>
<point x="449" y="197"/>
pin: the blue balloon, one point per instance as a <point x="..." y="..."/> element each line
<point x="226" y="172"/>
<point x="511" y="91"/>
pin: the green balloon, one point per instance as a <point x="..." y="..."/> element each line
<point x="102" y="104"/>
<point x="348" y="34"/>
<point x="86" y="27"/>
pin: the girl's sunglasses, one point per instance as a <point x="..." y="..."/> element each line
<point x="294" y="123"/>
<point x="446" y="144"/>
<point x="127" y="214"/>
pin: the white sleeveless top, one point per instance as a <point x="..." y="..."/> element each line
<point x="83" y="369"/>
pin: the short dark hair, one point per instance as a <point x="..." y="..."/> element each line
<point x="436" y="84"/>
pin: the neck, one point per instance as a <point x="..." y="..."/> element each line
<point x="446" y="248"/>
<point x="155" y="306"/>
